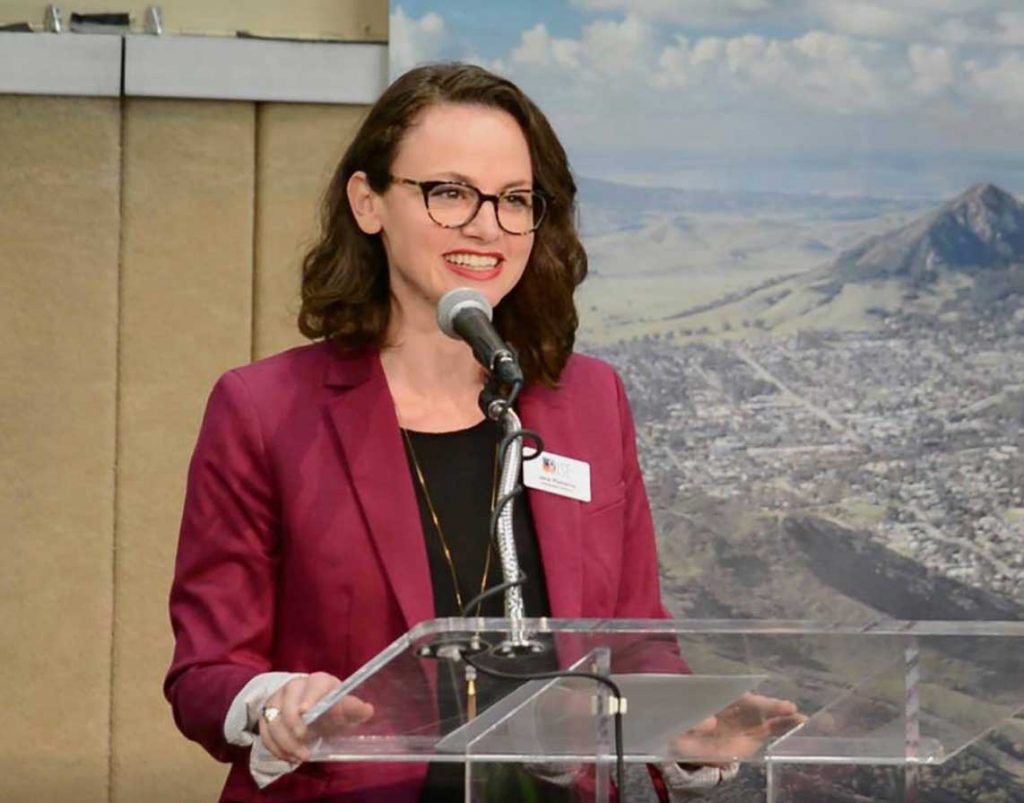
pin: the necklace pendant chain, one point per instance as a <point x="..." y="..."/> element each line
<point x="445" y="548"/>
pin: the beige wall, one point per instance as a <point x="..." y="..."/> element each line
<point x="59" y="224"/>
<point x="298" y="147"/>
<point x="145" y="247"/>
<point x="186" y="313"/>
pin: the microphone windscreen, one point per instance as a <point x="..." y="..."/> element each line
<point x="455" y="301"/>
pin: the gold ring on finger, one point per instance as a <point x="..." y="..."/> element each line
<point x="270" y="714"/>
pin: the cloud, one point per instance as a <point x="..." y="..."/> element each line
<point x="677" y="64"/>
<point x="1005" y="29"/>
<point x="866" y="19"/>
<point x="692" y="13"/>
<point x="1001" y="83"/>
<point x="818" y="69"/>
<point x="1011" y="28"/>
<point x="868" y="70"/>
<point x="619" y="47"/>
<point x="932" y="67"/>
<point x="537" y="47"/>
<point x="415" y="41"/>
<point x="606" y="50"/>
<point x="994" y="22"/>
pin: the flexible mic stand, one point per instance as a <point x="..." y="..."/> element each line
<point x="511" y="458"/>
<point x="498" y="407"/>
<point x="497" y="400"/>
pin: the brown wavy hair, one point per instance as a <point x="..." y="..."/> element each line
<point x="345" y="286"/>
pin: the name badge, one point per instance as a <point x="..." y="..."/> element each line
<point x="557" y="475"/>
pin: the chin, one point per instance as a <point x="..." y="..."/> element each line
<point x="496" y="295"/>
<point x="494" y="290"/>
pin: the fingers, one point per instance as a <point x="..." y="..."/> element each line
<point x="355" y="711"/>
<point x="300" y="697"/>
<point x="272" y="736"/>
<point x="286" y="735"/>
<point x="292" y="731"/>
<point x="320" y="683"/>
<point x="779" y="725"/>
<point x="754" y="709"/>
<point x="773" y="707"/>
<point x="277" y="735"/>
<point x="346" y="714"/>
<point x="318" y="686"/>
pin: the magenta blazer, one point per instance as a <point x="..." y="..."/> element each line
<point x="301" y="547"/>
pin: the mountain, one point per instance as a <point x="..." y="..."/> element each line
<point x="980" y="230"/>
<point x="967" y="255"/>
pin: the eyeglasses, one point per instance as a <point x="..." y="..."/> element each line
<point x="453" y="204"/>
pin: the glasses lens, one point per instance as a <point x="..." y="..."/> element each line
<point x="452" y="204"/>
<point x="520" y="212"/>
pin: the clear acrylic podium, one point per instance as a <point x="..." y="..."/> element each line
<point x="878" y="703"/>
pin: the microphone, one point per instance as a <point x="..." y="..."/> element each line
<point x="464" y="314"/>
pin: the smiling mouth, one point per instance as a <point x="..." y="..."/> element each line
<point x="479" y="262"/>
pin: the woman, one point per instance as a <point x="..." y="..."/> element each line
<point x="339" y="492"/>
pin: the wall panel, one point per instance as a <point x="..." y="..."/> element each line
<point x="186" y="317"/>
<point x="59" y="223"/>
<point x="145" y="247"/>
<point x="298" y="149"/>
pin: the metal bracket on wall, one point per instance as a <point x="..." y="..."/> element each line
<point x="154" y="21"/>
<point x="52" y="22"/>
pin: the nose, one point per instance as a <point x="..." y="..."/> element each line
<point x="484" y="224"/>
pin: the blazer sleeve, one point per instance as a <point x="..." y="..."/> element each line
<point x="639" y="594"/>
<point x="222" y="597"/>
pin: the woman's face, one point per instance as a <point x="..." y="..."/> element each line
<point x="475" y="145"/>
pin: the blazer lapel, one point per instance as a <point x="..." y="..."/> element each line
<point x="556" y="518"/>
<point x="363" y="414"/>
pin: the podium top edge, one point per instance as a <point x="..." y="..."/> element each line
<point x="751" y="627"/>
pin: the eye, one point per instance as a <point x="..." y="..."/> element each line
<point x="518" y="200"/>
<point x="451" y="192"/>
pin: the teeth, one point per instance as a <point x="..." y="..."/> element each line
<point x="472" y="260"/>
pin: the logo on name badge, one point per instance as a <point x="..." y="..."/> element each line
<point x="559" y="475"/>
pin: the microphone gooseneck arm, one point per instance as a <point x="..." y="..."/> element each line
<point x="511" y="463"/>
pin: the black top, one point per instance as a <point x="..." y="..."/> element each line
<point x="460" y="473"/>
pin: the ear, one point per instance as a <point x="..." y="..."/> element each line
<point x="364" y="202"/>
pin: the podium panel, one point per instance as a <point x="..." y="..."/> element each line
<point x="829" y="713"/>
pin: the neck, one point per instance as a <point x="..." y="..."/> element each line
<point x="434" y="380"/>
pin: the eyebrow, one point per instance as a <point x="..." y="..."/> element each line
<point x="520" y="184"/>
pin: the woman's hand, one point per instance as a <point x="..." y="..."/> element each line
<point x="282" y="729"/>
<point x="739" y="730"/>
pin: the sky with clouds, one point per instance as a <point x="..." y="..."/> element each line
<point x="883" y="97"/>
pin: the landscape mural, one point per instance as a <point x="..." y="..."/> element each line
<point x="806" y="243"/>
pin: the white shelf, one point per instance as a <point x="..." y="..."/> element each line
<point x="60" y="64"/>
<point x="254" y="69"/>
<point x="206" y="67"/>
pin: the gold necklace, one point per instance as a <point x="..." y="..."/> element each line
<point x="440" y="532"/>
